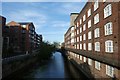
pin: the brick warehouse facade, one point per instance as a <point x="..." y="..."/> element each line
<point x="20" y="37"/>
<point x="96" y="31"/>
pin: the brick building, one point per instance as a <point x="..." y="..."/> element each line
<point x="20" y="37"/>
<point x="96" y="31"/>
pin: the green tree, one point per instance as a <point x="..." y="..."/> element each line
<point x="46" y="50"/>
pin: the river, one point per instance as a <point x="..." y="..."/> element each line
<point x="56" y="67"/>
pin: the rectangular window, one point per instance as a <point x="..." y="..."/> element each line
<point x="84" y="46"/>
<point x="80" y="57"/>
<point x="89" y="12"/>
<point x="77" y="39"/>
<point x="84" y="59"/>
<point x="89" y="46"/>
<point x="80" y="46"/>
<point x="80" y="29"/>
<point x="109" y="71"/>
<point x="96" y="18"/>
<point x="107" y="10"/>
<point x="89" y="61"/>
<point x="97" y="46"/>
<point x="109" y="46"/>
<point x="97" y="65"/>
<point x="84" y="27"/>
<point x="80" y="21"/>
<point x="84" y="37"/>
<point x="80" y="38"/>
<point x="77" y="46"/>
<point x="77" y="24"/>
<point x="89" y="35"/>
<point x="97" y="32"/>
<point x="77" y="31"/>
<point x="89" y="23"/>
<point x="84" y="18"/>
<point x="108" y="28"/>
<point x="96" y="5"/>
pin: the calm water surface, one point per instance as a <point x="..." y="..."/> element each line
<point x="56" y="67"/>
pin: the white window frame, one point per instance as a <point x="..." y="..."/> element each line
<point x="77" y="39"/>
<point x="96" y="19"/>
<point x="89" y="35"/>
<point x="84" y="27"/>
<point x="89" y="46"/>
<point x="84" y="59"/>
<point x="108" y="10"/>
<point x="80" y="21"/>
<point x="89" y="23"/>
<point x="97" y="32"/>
<point x="109" y="46"/>
<point x="80" y="29"/>
<point x="110" y="71"/>
<point x="80" y="57"/>
<point x="96" y="5"/>
<point x="108" y="28"/>
<point x="84" y="18"/>
<point x="77" y="31"/>
<point x="80" y="46"/>
<point x="89" y="61"/>
<point x="97" y="65"/>
<point x="84" y="46"/>
<point x="97" y="46"/>
<point x="84" y="36"/>
<point x="89" y="12"/>
<point x="77" y="46"/>
<point x="81" y="38"/>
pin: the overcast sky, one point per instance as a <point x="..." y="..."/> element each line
<point x="51" y="19"/>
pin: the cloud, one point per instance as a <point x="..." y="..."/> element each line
<point x="60" y="24"/>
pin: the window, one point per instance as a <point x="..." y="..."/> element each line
<point x="84" y="59"/>
<point x="77" y="31"/>
<point x="97" y="46"/>
<point x="96" y="5"/>
<point x="80" y="46"/>
<point x="77" y="46"/>
<point x="80" y="29"/>
<point x="89" y="12"/>
<point x="80" y="21"/>
<point x="96" y="18"/>
<point x="89" y="61"/>
<point x="104" y="0"/>
<point x="109" y="71"/>
<point x="84" y="18"/>
<point x="84" y="46"/>
<point x="89" y="46"/>
<point x="84" y="27"/>
<point x="84" y="37"/>
<point x="80" y="38"/>
<point x="108" y="28"/>
<point x="77" y="39"/>
<point x="109" y="46"/>
<point x="77" y="24"/>
<point x="89" y="35"/>
<point x="97" y="32"/>
<point x="107" y="10"/>
<point x="80" y="57"/>
<point x="24" y="26"/>
<point x="89" y="23"/>
<point x="97" y="65"/>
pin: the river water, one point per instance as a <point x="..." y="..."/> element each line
<point x="56" y="67"/>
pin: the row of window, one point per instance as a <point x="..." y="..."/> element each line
<point x="107" y="12"/>
<point x="108" y="31"/>
<point x="109" y="69"/>
<point x="108" y="46"/>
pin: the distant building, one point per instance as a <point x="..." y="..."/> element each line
<point x="97" y="31"/>
<point x="20" y="37"/>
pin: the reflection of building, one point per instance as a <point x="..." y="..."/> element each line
<point x="97" y="31"/>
